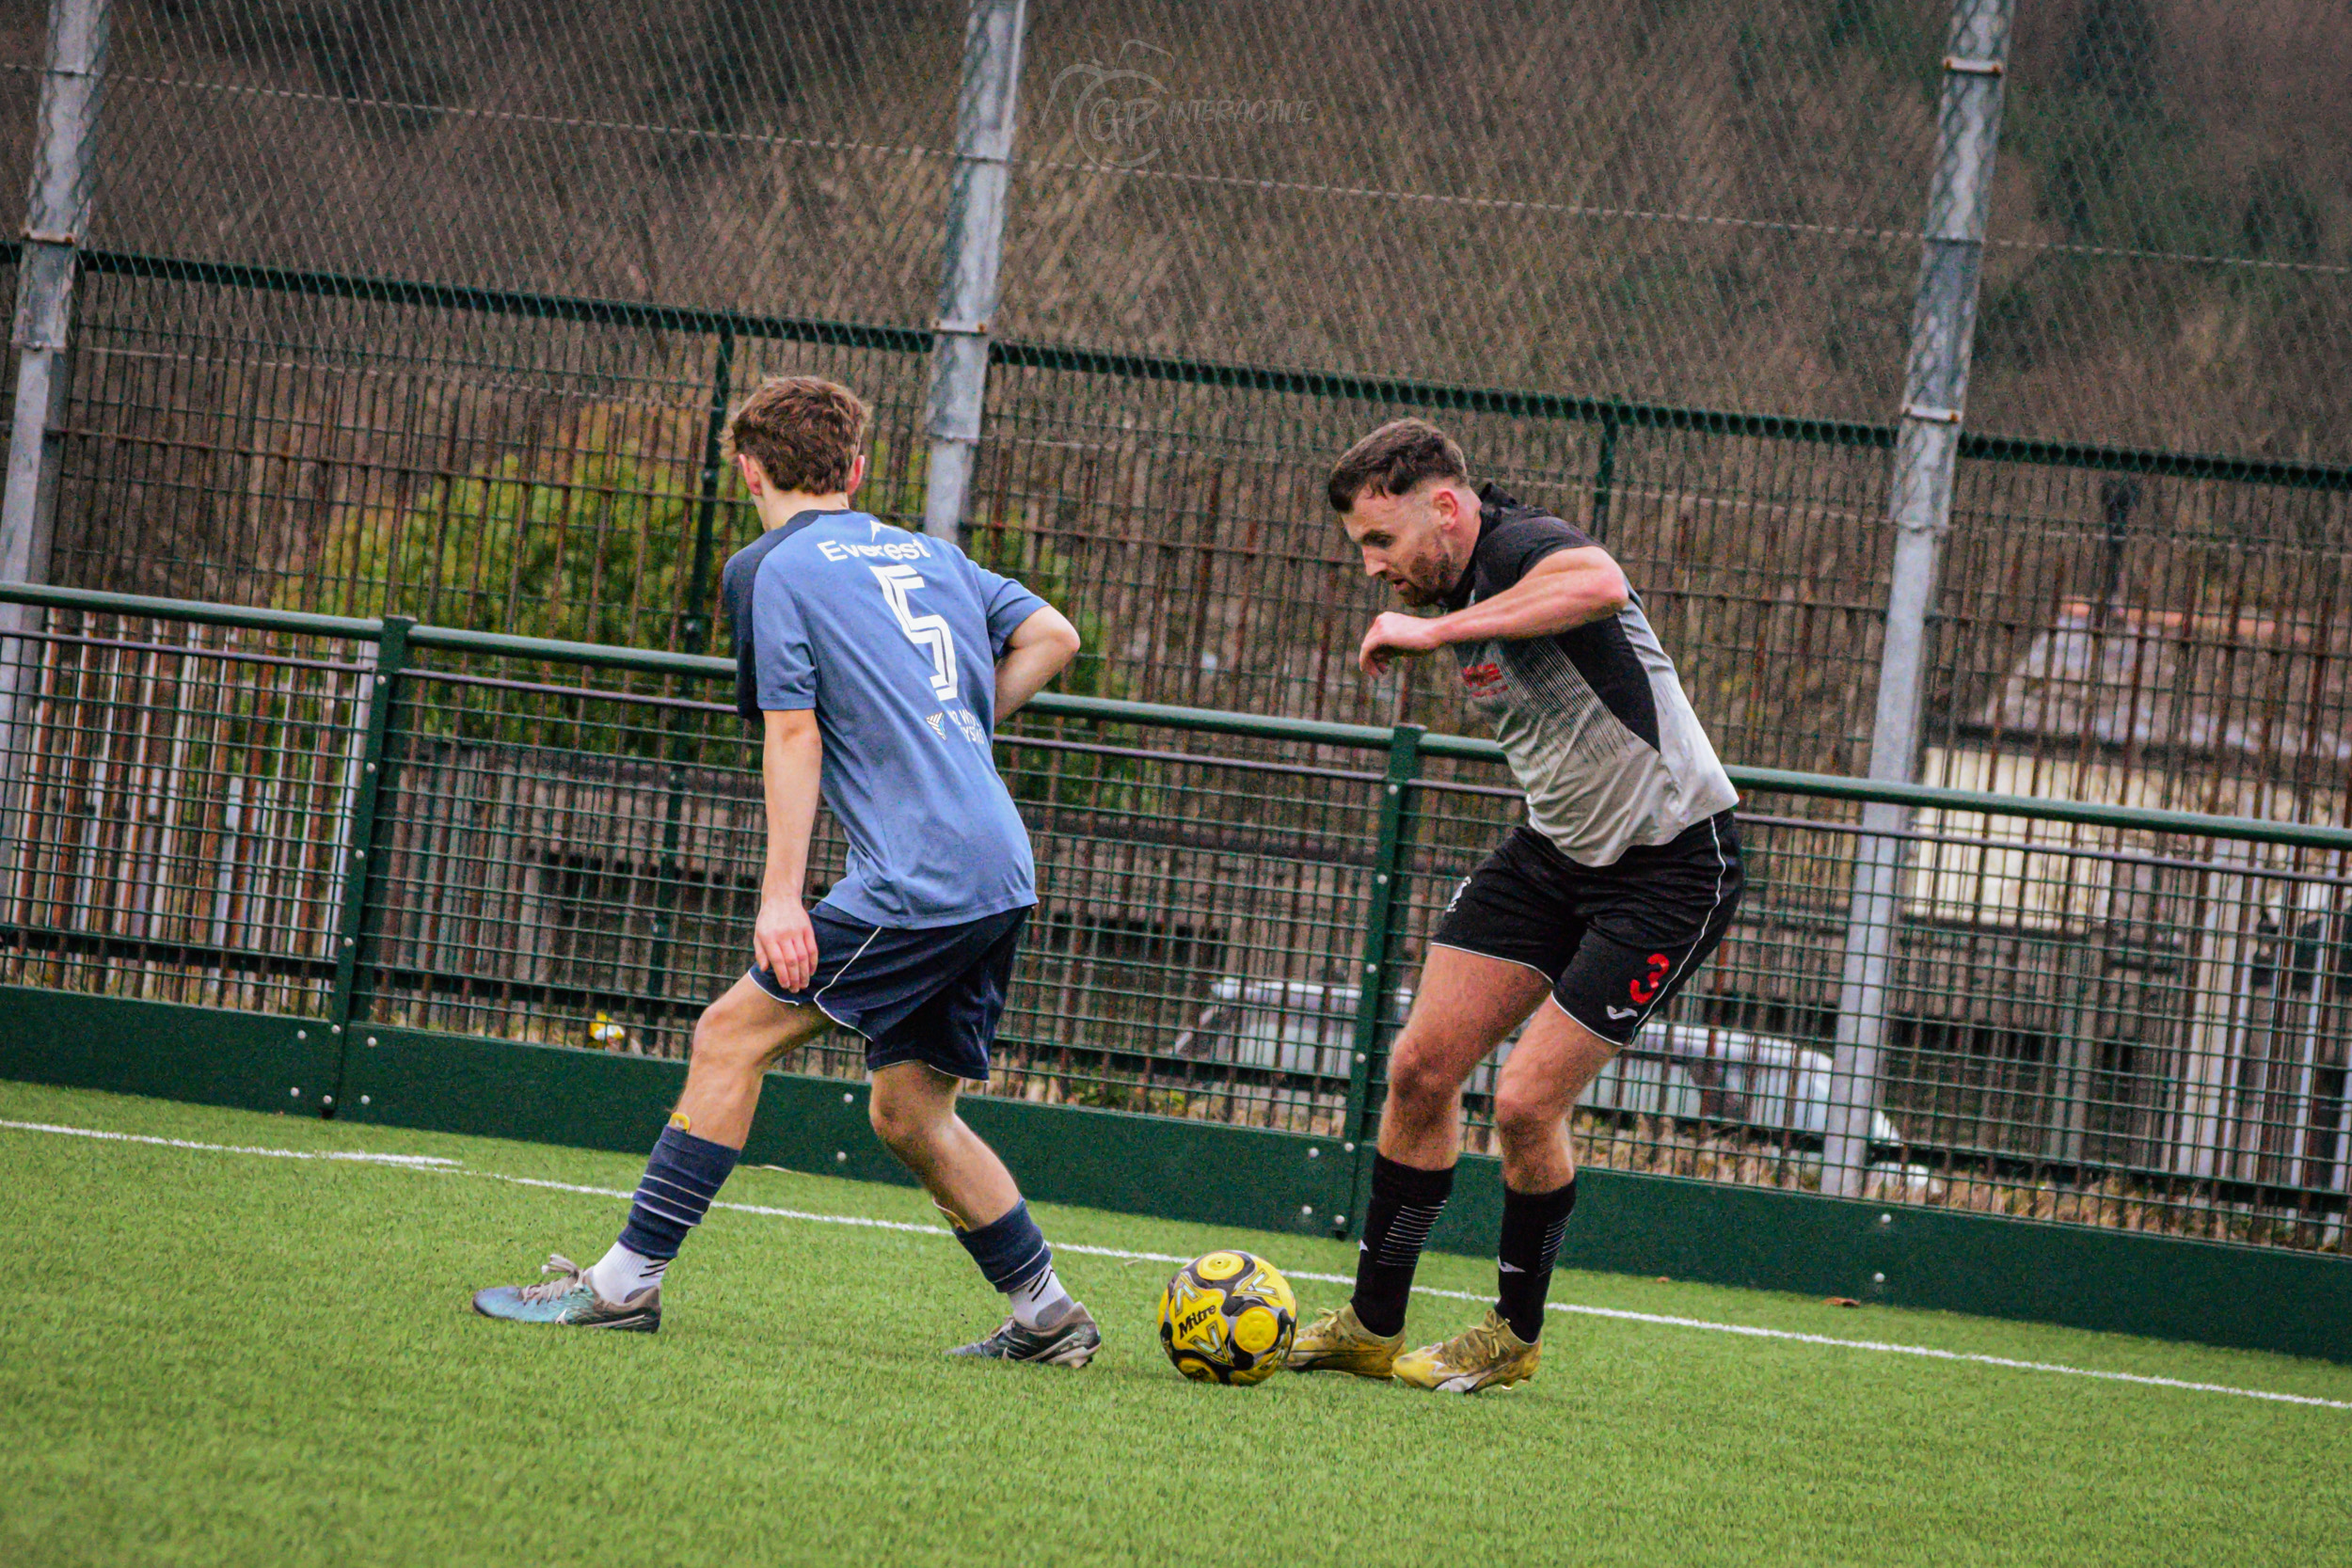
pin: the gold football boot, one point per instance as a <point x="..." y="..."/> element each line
<point x="1339" y="1342"/>
<point x="1487" y="1357"/>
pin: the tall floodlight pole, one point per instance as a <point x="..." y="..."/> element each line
<point x="56" y="214"/>
<point x="1936" y="391"/>
<point x="974" y="236"/>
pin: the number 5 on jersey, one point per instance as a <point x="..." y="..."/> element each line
<point x="928" y="632"/>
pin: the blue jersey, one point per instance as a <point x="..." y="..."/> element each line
<point x="892" y="638"/>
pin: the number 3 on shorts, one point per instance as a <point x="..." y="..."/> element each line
<point x="1645" y="987"/>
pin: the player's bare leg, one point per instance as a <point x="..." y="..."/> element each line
<point x="914" y="1113"/>
<point x="1549" y="1071"/>
<point x="1549" y="1068"/>
<point x="736" y="1039"/>
<point x="1466" y="1004"/>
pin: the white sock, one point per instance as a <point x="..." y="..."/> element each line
<point x="621" y="1274"/>
<point x="1042" y="1303"/>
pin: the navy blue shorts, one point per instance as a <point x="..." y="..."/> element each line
<point x="931" y="995"/>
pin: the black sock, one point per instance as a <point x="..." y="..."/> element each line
<point x="1406" y="1202"/>
<point x="1532" y="1224"/>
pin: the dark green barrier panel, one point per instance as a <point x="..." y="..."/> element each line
<point x="1936" y="1260"/>
<point x="209" y="1056"/>
<point x="2255" y="1298"/>
<point x="1214" y="1175"/>
<point x="1195" y="1171"/>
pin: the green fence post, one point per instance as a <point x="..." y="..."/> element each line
<point x="694" y="635"/>
<point x="695" y="632"/>
<point x="359" y="873"/>
<point x="1376" y="974"/>
<point x="1604" y="476"/>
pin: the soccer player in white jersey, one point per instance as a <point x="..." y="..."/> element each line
<point x="877" y="663"/>
<point x="1580" y="925"/>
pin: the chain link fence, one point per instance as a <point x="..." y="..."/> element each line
<point x="2133" y="1021"/>
<point x="371" y="287"/>
<point x="404" y="307"/>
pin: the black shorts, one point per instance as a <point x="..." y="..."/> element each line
<point x="931" y="995"/>
<point x="1615" y="941"/>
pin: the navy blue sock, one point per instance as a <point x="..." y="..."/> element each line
<point x="1010" y="1251"/>
<point x="682" y="1177"/>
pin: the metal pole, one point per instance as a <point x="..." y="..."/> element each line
<point x="1936" y="391"/>
<point x="974" y="237"/>
<point x="696" y="630"/>
<point x="57" y="212"/>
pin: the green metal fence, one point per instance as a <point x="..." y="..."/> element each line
<point x="2116" y="1016"/>
<point x="2169" y="626"/>
<point x="433" y="312"/>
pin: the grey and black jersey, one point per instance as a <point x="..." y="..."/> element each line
<point x="1593" y="719"/>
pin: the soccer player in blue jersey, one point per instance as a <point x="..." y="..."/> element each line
<point x="878" y="662"/>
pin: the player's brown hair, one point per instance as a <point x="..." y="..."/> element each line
<point x="805" y="431"/>
<point x="1392" y="459"/>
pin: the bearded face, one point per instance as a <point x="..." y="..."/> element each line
<point x="1415" y="543"/>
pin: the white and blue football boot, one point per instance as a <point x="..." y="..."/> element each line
<point x="566" y="1299"/>
<point x="1071" y="1342"/>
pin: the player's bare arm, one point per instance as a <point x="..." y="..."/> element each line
<point x="1034" y="654"/>
<point x="791" y="760"/>
<point x="1560" y="593"/>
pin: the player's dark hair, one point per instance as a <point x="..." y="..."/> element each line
<point x="1392" y="459"/>
<point x="805" y="431"/>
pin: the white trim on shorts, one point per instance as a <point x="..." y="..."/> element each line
<point x="1723" y="869"/>
<point x="1553" y="997"/>
<point x="1480" y="953"/>
<point x="818" y="1000"/>
<point x="837" y="1021"/>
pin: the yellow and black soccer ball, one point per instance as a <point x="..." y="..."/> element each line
<point x="1228" y="1317"/>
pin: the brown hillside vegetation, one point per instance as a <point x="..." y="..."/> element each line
<point x="1697" y="203"/>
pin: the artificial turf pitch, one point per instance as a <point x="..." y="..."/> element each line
<point x="223" y="1357"/>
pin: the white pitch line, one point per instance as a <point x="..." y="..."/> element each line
<point x="439" y="1165"/>
<point x="425" y="1162"/>
<point x="1932" y="1354"/>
